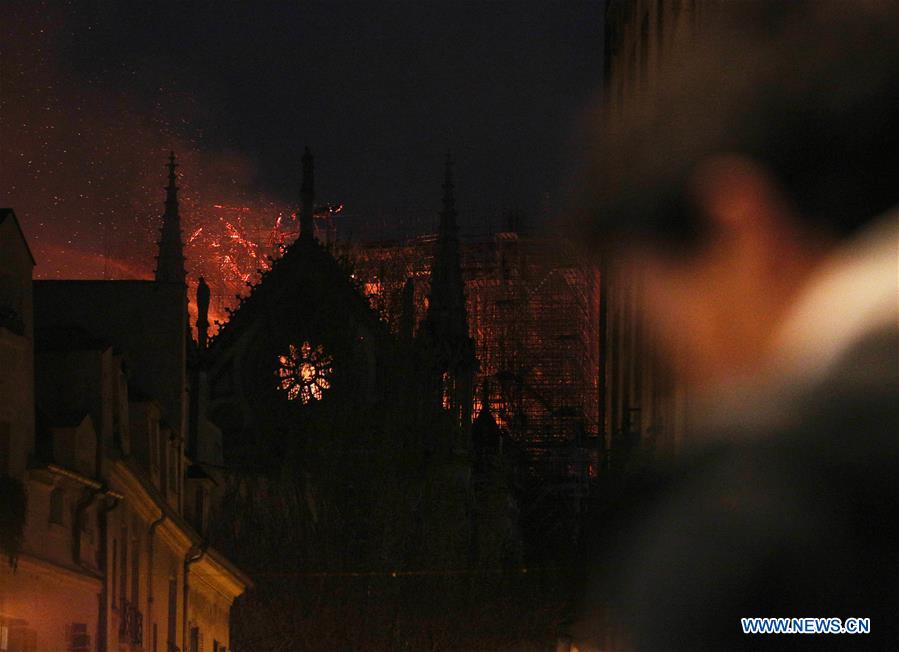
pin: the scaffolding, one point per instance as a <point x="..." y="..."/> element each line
<point x="533" y="312"/>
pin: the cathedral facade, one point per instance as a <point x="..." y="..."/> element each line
<point x="348" y="447"/>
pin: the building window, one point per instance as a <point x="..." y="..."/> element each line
<point x="135" y="573"/>
<point x="123" y="568"/>
<point x="173" y="611"/>
<point x="78" y="638"/>
<point x="57" y="505"/>
<point x="304" y="372"/>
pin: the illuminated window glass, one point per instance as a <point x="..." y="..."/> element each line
<point x="304" y="372"/>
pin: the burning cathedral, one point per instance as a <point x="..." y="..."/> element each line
<point x="320" y="472"/>
<point x="348" y="454"/>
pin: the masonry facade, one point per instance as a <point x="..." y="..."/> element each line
<point x="103" y="530"/>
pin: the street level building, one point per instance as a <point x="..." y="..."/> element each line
<point x="103" y="509"/>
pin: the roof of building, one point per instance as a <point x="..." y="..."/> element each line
<point x="178" y="519"/>
<point x="8" y="213"/>
<point x="305" y="262"/>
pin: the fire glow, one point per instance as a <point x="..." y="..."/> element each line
<point x="230" y="246"/>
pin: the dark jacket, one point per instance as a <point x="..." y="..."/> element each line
<point x="794" y="516"/>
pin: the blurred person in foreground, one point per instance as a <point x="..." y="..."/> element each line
<point x="754" y="193"/>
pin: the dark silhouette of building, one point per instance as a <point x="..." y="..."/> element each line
<point x="315" y="441"/>
<point x="444" y="334"/>
<point x="114" y="552"/>
<point x="347" y="446"/>
<point x="170" y="260"/>
<point x="532" y="306"/>
<point x="303" y="338"/>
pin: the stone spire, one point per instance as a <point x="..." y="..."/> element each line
<point x="202" y="313"/>
<point x="170" y="260"/>
<point x="307" y="197"/>
<point x="407" y="310"/>
<point x="486" y="435"/>
<point x="445" y="327"/>
<point x="446" y="304"/>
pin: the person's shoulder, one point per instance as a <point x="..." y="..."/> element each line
<point x="800" y="519"/>
<point x="850" y="419"/>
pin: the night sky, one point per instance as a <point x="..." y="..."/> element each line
<point x="94" y="94"/>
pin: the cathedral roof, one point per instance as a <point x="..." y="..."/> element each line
<point x="305" y="263"/>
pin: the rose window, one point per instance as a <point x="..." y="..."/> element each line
<point x="304" y="372"/>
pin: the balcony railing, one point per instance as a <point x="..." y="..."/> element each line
<point x="131" y="625"/>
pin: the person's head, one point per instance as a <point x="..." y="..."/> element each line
<point x="769" y="140"/>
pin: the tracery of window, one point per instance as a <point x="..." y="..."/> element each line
<point x="304" y="372"/>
